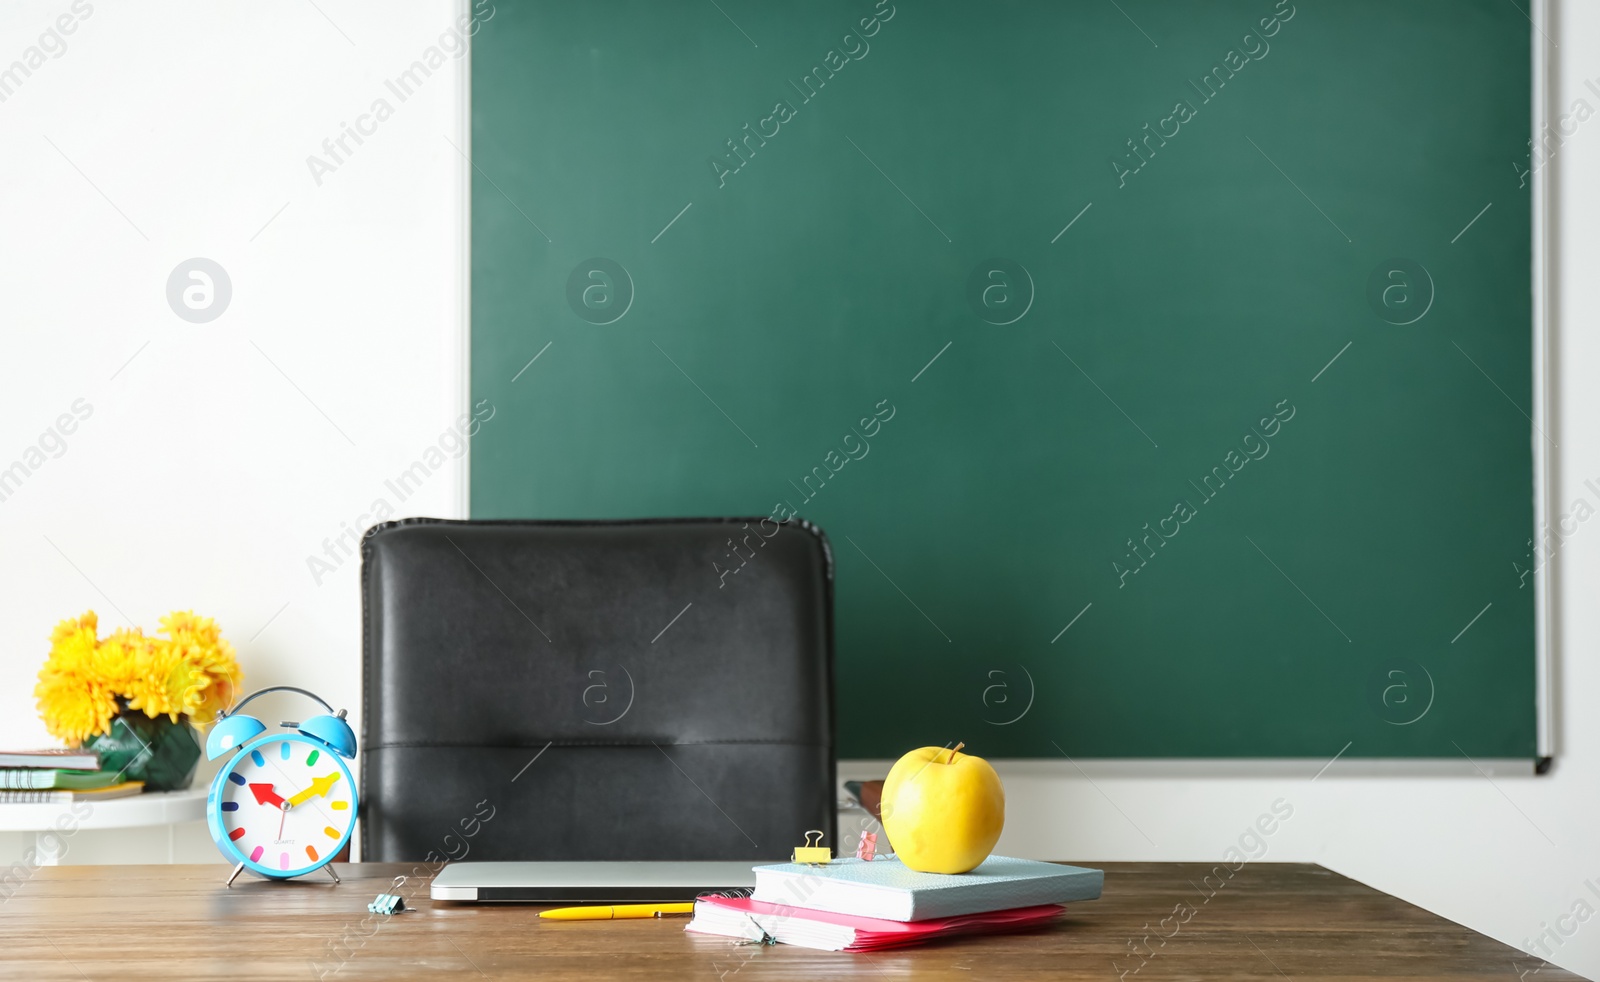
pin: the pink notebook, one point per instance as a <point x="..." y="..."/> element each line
<point x="731" y="917"/>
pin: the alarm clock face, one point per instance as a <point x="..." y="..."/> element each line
<point x="287" y="805"/>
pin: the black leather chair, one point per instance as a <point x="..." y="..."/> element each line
<point x="595" y="690"/>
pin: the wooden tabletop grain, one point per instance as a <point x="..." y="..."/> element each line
<point x="1267" y="921"/>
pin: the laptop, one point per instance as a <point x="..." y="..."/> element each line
<point x="591" y="883"/>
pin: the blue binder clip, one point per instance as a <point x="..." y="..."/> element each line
<point x="387" y="903"/>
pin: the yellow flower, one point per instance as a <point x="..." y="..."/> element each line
<point x="74" y="629"/>
<point x="212" y="679"/>
<point x="75" y="709"/>
<point x="191" y="672"/>
<point x="223" y="679"/>
<point x="167" y="683"/>
<point x="121" y="659"/>
<point x="75" y="701"/>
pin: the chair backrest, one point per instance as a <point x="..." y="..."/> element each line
<point x="596" y="690"/>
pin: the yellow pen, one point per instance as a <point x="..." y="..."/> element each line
<point x="615" y="912"/>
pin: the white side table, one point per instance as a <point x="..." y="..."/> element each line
<point x="53" y="823"/>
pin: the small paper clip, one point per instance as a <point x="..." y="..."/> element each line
<point x="387" y="903"/>
<point x="813" y="853"/>
<point x="867" y="847"/>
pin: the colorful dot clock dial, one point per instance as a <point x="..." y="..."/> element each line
<point x="284" y="804"/>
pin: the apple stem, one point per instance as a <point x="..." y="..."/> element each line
<point x="953" y="753"/>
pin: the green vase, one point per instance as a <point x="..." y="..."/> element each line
<point x="159" y="752"/>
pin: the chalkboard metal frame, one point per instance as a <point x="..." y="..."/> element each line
<point x="1543" y="418"/>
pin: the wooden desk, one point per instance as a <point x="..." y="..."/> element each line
<point x="1270" y="921"/>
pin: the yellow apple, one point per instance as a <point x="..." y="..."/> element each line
<point x="942" y="809"/>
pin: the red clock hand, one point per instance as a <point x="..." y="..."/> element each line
<point x="266" y="796"/>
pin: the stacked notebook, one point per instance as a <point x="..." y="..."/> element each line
<point x="854" y="905"/>
<point x="51" y="776"/>
<point x="84" y="760"/>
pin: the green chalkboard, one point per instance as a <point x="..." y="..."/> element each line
<point x="1160" y="371"/>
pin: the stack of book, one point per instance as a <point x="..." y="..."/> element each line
<point x="59" y="776"/>
<point x="856" y="905"/>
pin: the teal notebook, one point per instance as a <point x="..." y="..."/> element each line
<point x="886" y="888"/>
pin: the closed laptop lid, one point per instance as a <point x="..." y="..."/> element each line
<point x="591" y="882"/>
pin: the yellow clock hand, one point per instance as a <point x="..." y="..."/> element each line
<point x="319" y="786"/>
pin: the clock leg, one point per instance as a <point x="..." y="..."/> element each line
<point x="234" y="875"/>
<point x="329" y="870"/>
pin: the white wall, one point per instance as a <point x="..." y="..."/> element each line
<point x="205" y="477"/>
<point x="224" y="453"/>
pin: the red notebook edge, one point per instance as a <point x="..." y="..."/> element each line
<point x="874" y="933"/>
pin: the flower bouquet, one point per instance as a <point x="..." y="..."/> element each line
<point x="135" y="699"/>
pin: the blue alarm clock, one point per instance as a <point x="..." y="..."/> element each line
<point x="284" y="804"/>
